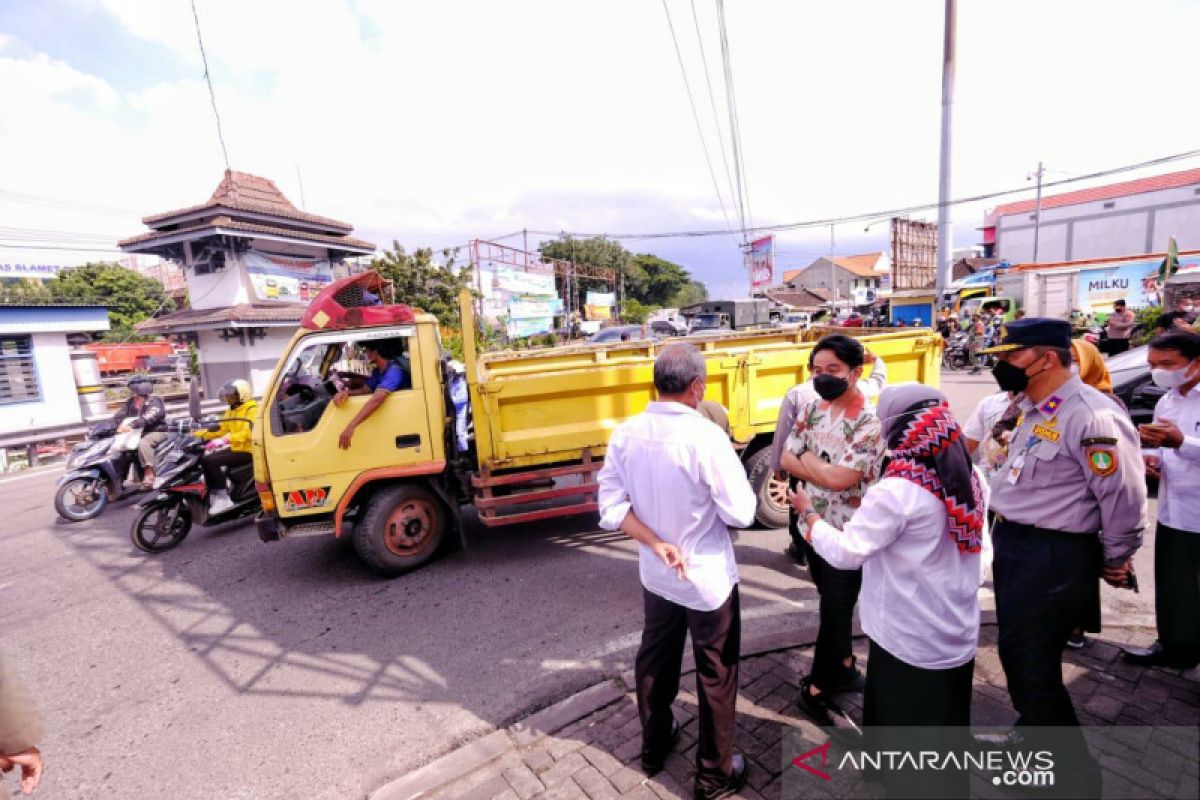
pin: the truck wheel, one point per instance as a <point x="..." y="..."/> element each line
<point x="772" y="510"/>
<point x="401" y="529"/>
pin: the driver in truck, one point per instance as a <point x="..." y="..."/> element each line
<point x="387" y="376"/>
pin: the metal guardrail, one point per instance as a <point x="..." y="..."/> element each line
<point x="27" y="438"/>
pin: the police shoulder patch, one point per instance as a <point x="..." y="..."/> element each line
<point x="1102" y="460"/>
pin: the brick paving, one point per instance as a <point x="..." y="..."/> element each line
<point x="596" y="757"/>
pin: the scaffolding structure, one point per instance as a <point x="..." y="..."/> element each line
<point x="568" y="274"/>
<point x="914" y="254"/>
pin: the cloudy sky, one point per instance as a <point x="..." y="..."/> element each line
<point x="436" y="122"/>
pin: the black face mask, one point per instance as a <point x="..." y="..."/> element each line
<point x="1009" y="377"/>
<point x="829" y="387"/>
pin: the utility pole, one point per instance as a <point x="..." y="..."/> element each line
<point x="833" y="289"/>
<point x="945" y="233"/>
<point x="1037" y="214"/>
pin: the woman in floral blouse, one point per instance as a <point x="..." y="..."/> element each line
<point x="836" y="452"/>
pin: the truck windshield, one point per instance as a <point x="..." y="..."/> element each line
<point x="707" y="321"/>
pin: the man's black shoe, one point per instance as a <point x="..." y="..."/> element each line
<point x="797" y="554"/>
<point x="734" y="784"/>
<point x="1158" y="656"/>
<point x="652" y="763"/>
<point x="851" y="678"/>
<point x="823" y="710"/>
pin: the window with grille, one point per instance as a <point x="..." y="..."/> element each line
<point x="18" y="374"/>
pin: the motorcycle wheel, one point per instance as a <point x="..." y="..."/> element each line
<point x="81" y="499"/>
<point x="161" y="526"/>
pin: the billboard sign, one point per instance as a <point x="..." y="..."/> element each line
<point x="288" y="279"/>
<point x="1135" y="282"/>
<point x="762" y="261"/>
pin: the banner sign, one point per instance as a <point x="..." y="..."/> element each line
<point x="601" y="299"/>
<point x="1135" y="282"/>
<point x="597" y="312"/>
<point x="289" y="279"/>
<point x="529" y="327"/>
<point x="519" y="282"/>
<point x="532" y="309"/>
<point x="762" y="261"/>
<point x="43" y="271"/>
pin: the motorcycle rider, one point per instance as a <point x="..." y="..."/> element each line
<point x="229" y="445"/>
<point x="143" y="411"/>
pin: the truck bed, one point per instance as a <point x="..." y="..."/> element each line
<point x="546" y="406"/>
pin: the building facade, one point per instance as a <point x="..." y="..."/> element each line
<point x="1120" y="219"/>
<point x="844" y="277"/>
<point x="252" y="262"/>
<point x="37" y="382"/>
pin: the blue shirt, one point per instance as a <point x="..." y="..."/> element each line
<point x="390" y="379"/>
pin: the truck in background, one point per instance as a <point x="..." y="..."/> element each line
<point x="736" y="315"/>
<point x="122" y="357"/>
<point x="1088" y="287"/>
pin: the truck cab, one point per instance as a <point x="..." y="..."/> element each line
<point x="309" y="485"/>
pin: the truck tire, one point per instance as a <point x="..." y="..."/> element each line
<point x="771" y="494"/>
<point x="402" y="528"/>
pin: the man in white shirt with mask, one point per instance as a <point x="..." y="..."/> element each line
<point x="1173" y="453"/>
<point x="672" y="481"/>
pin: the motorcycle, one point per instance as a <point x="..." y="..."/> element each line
<point x="182" y="499"/>
<point x="96" y="470"/>
<point x="957" y="353"/>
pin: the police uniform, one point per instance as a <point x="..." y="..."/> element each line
<point x="1069" y="499"/>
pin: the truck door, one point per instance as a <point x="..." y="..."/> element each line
<point x="301" y="442"/>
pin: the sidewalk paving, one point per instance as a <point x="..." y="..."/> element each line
<point x="588" y="746"/>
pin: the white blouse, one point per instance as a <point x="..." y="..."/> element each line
<point x="920" y="595"/>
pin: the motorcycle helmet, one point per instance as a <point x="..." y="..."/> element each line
<point x="235" y="392"/>
<point x="141" y="385"/>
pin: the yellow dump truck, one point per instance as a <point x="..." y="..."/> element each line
<point x="541" y="419"/>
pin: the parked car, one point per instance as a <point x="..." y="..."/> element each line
<point x="1131" y="382"/>
<point x="795" y="319"/>
<point x="666" y="328"/>
<point x="631" y="332"/>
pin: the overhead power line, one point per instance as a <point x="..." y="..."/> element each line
<point x="735" y="132"/>
<point x="867" y="215"/>
<point x="687" y="86"/>
<point x="24" y="198"/>
<point x="211" y="94"/>
<point x="712" y="101"/>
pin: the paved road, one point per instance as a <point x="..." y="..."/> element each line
<point x="230" y="668"/>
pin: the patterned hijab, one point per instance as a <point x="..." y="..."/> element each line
<point x="927" y="449"/>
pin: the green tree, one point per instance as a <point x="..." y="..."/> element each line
<point x="421" y="283"/>
<point x="650" y="280"/>
<point x="634" y="312"/>
<point x="129" y="296"/>
<point x="694" y="292"/>
<point x="653" y="280"/>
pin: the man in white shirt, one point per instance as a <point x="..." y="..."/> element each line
<point x="672" y="481"/>
<point x="1174" y="455"/>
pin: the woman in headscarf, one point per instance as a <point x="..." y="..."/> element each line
<point x="919" y="537"/>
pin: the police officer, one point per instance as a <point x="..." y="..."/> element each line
<point x="1070" y="504"/>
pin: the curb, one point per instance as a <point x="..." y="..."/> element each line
<point x="477" y="754"/>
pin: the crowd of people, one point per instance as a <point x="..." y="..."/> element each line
<point x="901" y="512"/>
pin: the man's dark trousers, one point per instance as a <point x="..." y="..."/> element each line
<point x="1043" y="579"/>
<point x="716" y="646"/>
<point x="1177" y="587"/>
<point x="838" y="589"/>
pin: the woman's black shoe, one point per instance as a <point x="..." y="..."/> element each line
<point x="652" y="763"/>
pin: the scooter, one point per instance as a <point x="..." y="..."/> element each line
<point x="957" y="353"/>
<point x="96" y="470"/>
<point x="182" y="498"/>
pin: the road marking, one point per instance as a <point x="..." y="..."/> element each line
<point x="26" y="475"/>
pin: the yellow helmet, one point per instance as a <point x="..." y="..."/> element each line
<point x="236" y="392"/>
